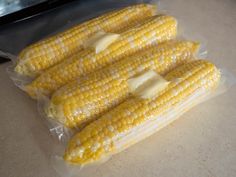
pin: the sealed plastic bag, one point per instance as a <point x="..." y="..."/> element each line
<point x="137" y="118"/>
<point x="92" y="95"/>
<point x="43" y="54"/>
<point x="97" y="115"/>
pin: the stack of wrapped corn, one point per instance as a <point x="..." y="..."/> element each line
<point x="116" y="79"/>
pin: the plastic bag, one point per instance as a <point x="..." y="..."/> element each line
<point x="114" y="75"/>
<point x="64" y="134"/>
<point x="101" y="8"/>
<point x="151" y="126"/>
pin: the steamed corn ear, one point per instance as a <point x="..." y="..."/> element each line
<point x="46" y="53"/>
<point x="137" y="118"/>
<point x="156" y="29"/>
<point x="81" y="101"/>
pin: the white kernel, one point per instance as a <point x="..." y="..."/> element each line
<point x="95" y="146"/>
<point x="110" y="128"/>
<point x="78" y="142"/>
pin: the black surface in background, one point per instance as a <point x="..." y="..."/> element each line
<point x="16" y="36"/>
<point x="3" y="60"/>
<point x="32" y="10"/>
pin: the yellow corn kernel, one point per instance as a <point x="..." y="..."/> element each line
<point x="156" y="29"/>
<point x="137" y="118"/>
<point x="82" y="100"/>
<point x="46" y="53"/>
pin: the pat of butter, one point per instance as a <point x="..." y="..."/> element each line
<point x="147" y="85"/>
<point x="100" y="41"/>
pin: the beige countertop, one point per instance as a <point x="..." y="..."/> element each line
<point x="201" y="143"/>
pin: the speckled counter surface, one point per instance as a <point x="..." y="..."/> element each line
<point x="201" y="143"/>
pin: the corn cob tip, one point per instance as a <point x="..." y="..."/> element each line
<point x="30" y="91"/>
<point x="55" y="112"/>
<point x="24" y="67"/>
<point x="74" y="153"/>
<point x="18" y="69"/>
<point x="196" y="46"/>
<point x="23" y="70"/>
<point x="153" y="8"/>
<point x="193" y="46"/>
<point x="33" y="92"/>
<point x="150" y="7"/>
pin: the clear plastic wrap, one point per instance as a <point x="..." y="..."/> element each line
<point x="61" y="22"/>
<point x="102" y="7"/>
<point x="64" y="134"/>
<point x="227" y="80"/>
<point x="156" y="58"/>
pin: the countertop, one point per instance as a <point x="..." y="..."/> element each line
<point x="200" y="143"/>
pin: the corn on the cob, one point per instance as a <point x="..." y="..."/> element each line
<point x="138" y="118"/>
<point x="156" y="29"/>
<point x="41" y="55"/>
<point x="80" y="101"/>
